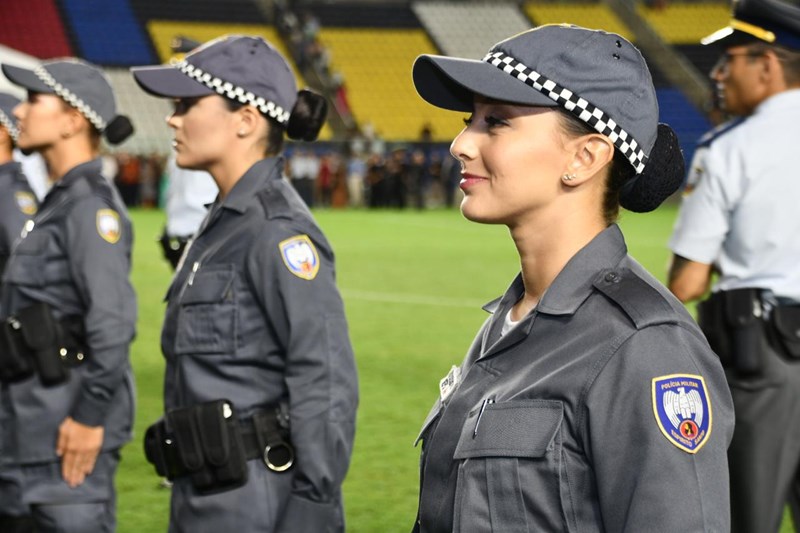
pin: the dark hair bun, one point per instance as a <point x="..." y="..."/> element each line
<point x="308" y="116"/>
<point x="662" y="175"/>
<point x="119" y="129"/>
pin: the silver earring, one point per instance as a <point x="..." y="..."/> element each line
<point x="241" y="133"/>
<point x="568" y="177"/>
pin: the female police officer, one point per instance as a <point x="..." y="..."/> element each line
<point x="70" y="310"/>
<point x="260" y="386"/>
<point x="589" y="401"/>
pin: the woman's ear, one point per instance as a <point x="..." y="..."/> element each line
<point x="248" y="120"/>
<point x="591" y="153"/>
<point x="74" y="123"/>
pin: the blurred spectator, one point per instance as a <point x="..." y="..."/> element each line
<point x="303" y="171"/>
<point x="356" y="174"/>
<point x="376" y="181"/>
<point x="418" y="178"/>
<point x="396" y="178"/>
<point x="127" y="179"/>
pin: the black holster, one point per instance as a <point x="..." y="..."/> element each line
<point x="211" y="445"/>
<point x="732" y="321"/>
<point x="32" y="340"/>
<point x="173" y="247"/>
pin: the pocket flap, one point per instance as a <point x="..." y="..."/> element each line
<point x="208" y="286"/>
<point x="519" y="428"/>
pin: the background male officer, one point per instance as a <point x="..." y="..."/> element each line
<point x="741" y="221"/>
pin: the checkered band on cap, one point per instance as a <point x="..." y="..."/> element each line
<point x="71" y="98"/>
<point x="234" y="92"/>
<point x="578" y="106"/>
<point x="9" y="124"/>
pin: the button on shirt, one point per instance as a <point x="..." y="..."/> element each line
<point x="77" y="259"/>
<point x="553" y="425"/>
<point x="742" y="214"/>
<point x="245" y="323"/>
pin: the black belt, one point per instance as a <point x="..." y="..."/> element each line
<point x="273" y="448"/>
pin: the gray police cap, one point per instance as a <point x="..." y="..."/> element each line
<point x="245" y="69"/>
<point x="7" y="104"/>
<point x="598" y="76"/>
<point x="80" y="84"/>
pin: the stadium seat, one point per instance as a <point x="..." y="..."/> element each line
<point x="587" y="15"/>
<point x="34" y="27"/>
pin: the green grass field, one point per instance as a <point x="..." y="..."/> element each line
<point x="413" y="284"/>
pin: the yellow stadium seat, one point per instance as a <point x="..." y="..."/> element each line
<point x="679" y="23"/>
<point x="376" y="65"/>
<point x="594" y="16"/>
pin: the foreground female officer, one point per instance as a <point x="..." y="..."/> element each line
<point x="589" y="401"/>
<point x="260" y="386"/>
<point x="70" y="311"/>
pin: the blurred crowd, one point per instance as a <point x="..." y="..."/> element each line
<point x="358" y="174"/>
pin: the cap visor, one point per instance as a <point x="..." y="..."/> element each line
<point x="451" y="83"/>
<point x="25" y="78"/>
<point x="169" y="82"/>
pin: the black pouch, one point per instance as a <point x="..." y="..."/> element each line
<point x="173" y="248"/>
<point x="746" y="327"/>
<point x="42" y="334"/>
<point x="785" y="322"/>
<point x="209" y="445"/>
<point x="15" y="365"/>
<point x="162" y="451"/>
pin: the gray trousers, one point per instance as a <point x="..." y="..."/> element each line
<point x="765" y="452"/>
<point x="254" y="507"/>
<point x="40" y="491"/>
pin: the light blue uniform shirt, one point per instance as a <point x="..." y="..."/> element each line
<point x="743" y="214"/>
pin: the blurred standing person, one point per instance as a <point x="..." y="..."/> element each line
<point x="303" y="171"/>
<point x="376" y="181"/>
<point x="741" y="221"/>
<point x="418" y="178"/>
<point x="69" y="309"/>
<point x="260" y="389"/>
<point x="356" y="174"/>
<point x="188" y="192"/>
<point x="585" y="402"/>
<point x="18" y="204"/>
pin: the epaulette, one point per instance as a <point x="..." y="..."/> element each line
<point x="643" y="304"/>
<point x="715" y="133"/>
<point x="274" y="200"/>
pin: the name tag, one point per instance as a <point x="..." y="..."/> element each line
<point x="449" y="383"/>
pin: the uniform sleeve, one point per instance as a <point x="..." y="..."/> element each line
<point x="645" y="481"/>
<point x="12" y="216"/>
<point x="704" y="216"/>
<point x="99" y="241"/>
<point x="293" y="276"/>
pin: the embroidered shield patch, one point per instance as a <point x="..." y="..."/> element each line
<point x="683" y="410"/>
<point x="300" y="256"/>
<point x="108" y="225"/>
<point x="26" y="202"/>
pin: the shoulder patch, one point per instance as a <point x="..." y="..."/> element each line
<point x="683" y="410"/>
<point x="26" y="202"/>
<point x="300" y="256"/>
<point x="108" y="225"/>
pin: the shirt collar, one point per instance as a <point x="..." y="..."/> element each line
<point x="783" y="100"/>
<point x="256" y="176"/>
<point x="574" y="283"/>
<point x="90" y="168"/>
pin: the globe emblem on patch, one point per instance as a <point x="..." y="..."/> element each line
<point x="689" y="429"/>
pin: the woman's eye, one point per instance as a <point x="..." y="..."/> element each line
<point x="493" y="122"/>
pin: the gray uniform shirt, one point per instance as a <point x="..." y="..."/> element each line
<point x="18" y="204"/>
<point x="76" y="258"/>
<point x="254" y="316"/>
<point x="558" y="426"/>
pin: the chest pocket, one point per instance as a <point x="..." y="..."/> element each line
<point x="207" y="320"/>
<point x="510" y="469"/>
<point x="27" y="266"/>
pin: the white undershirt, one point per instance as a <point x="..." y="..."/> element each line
<point x="508" y="324"/>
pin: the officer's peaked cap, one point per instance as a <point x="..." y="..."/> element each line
<point x="7" y="104"/>
<point x="770" y="21"/>
<point x="81" y="84"/>
<point x="245" y="69"/>
<point x="599" y="76"/>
